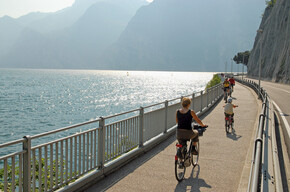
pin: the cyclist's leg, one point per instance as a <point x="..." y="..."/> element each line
<point x="194" y="138"/>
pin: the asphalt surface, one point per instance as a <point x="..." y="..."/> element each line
<point x="280" y="93"/>
<point x="224" y="158"/>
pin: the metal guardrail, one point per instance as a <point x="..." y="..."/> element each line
<point x="89" y="154"/>
<point x="265" y="172"/>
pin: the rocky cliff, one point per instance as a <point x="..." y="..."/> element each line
<point x="272" y="45"/>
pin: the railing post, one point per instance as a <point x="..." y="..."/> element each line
<point x="201" y="101"/>
<point x="212" y="95"/>
<point x="166" y="115"/>
<point x="101" y="143"/>
<point x="27" y="164"/>
<point x="141" y="126"/>
<point x="192" y="100"/>
<point x="207" y="97"/>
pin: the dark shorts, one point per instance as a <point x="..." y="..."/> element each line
<point x="184" y="134"/>
<point x="226" y="88"/>
<point x="227" y="115"/>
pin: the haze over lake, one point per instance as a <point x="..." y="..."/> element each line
<point x="36" y="101"/>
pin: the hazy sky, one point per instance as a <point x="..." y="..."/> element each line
<point x="17" y="8"/>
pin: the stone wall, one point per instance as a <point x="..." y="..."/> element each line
<point x="273" y="45"/>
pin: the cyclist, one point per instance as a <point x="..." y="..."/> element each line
<point x="184" y="119"/>
<point x="232" y="82"/>
<point x="229" y="109"/>
<point x="226" y="84"/>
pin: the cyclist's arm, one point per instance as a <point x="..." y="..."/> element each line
<point x="195" y="117"/>
<point x="235" y="106"/>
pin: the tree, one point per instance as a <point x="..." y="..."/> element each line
<point x="242" y="57"/>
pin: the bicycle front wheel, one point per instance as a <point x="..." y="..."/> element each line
<point x="179" y="169"/>
<point x="194" y="158"/>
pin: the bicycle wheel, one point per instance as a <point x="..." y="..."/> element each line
<point x="179" y="170"/>
<point x="225" y="97"/>
<point x="194" y="158"/>
<point x="227" y="127"/>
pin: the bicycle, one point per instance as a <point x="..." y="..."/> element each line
<point x="230" y="90"/>
<point x="184" y="157"/>
<point x="226" y="93"/>
<point x="228" y="123"/>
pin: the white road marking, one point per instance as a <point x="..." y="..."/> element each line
<point x="283" y="118"/>
<point x="278" y="88"/>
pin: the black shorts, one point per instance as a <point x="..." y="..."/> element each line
<point x="226" y="88"/>
<point x="227" y="115"/>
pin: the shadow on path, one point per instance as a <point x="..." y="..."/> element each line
<point x="193" y="183"/>
<point x="232" y="135"/>
<point x="111" y="179"/>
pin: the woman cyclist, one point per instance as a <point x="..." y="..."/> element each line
<point x="184" y="119"/>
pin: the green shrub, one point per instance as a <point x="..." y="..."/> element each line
<point x="270" y="3"/>
<point x="37" y="175"/>
<point x="214" y="81"/>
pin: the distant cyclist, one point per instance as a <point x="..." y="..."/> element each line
<point x="226" y="85"/>
<point x="184" y="119"/>
<point x="229" y="109"/>
<point x="232" y="83"/>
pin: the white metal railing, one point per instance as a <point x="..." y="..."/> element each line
<point x="265" y="173"/>
<point x="55" y="164"/>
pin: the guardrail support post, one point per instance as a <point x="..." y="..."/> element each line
<point x="141" y="126"/>
<point x="201" y="101"/>
<point x="192" y="100"/>
<point x="27" y="164"/>
<point x="101" y="143"/>
<point x="207" y="97"/>
<point x="166" y="115"/>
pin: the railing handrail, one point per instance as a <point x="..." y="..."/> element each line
<point x="87" y="122"/>
<point x="255" y="177"/>
<point x="100" y="147"/>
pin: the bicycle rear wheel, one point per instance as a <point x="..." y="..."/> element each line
<point x="226" y="96"/>
<point x="179" y="170"/>
<point x="194" y="158"/>
<point x="227" y="127"/>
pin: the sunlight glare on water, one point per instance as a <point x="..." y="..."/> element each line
<point x="36" y="101"/>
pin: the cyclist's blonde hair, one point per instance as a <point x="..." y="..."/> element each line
<point x="185" y="102"/>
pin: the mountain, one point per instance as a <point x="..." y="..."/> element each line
<point x="9" y="32"/>
<point x="185" y="35"/>
<point x="182" y="35"/>
<point x="58" y="41"/>
<point x="272" y="46"/>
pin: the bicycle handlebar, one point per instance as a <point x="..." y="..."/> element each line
<point x="200" y="129"/>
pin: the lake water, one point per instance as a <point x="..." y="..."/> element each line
<point x="36" y="101"/>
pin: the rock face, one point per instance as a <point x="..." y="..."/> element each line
<point x="184" y="35"/>
<point x="272" y="45"/>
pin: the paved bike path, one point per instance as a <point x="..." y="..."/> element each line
<point x="222" y="157"/>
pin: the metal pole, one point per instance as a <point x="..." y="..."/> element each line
<point x="243" y="66"/>
<point x="141" y="126"/>
<point x="226" y="67"/>
<point x="101" y="143"/>
<point x="231" y="65"/>
<point x="207" y="97"/>
<point x="27" y="164"/>
<point x="260" y="31"/>
<point x="192" y="100"/>
<point x="166" y="115"/>
<point x="200" y="101"/>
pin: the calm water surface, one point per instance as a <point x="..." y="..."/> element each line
<point x="36" y="101"/>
